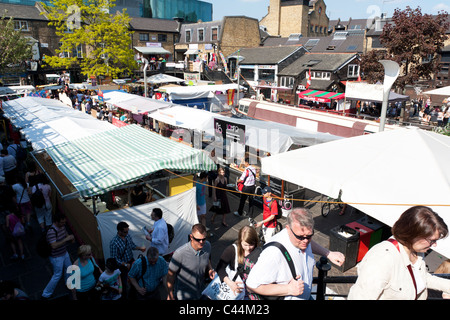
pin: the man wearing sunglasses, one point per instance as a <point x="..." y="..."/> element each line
<point x="189" y="265"/>
<point x="271" y="275"/>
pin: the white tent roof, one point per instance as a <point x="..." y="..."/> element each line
<point x="162" y="78"/>
<point x="381" y="174"/>
<point x="48" y="122"/>
<point x="268" y="136"/>
<point x="16" y="90"/>
<point x="132" y="102"/>
<point x="445" y="91"/>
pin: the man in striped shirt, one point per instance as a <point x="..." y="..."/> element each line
<point x="249" y="179"/>
<point x="58" y="238"/>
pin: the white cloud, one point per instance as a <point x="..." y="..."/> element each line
<point x="441" y="7"/>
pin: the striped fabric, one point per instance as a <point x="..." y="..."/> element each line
<point x="107" y="160"/>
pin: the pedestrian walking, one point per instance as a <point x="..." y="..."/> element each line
<point x="148" y="276"/>
<point x="395" y="269"/>
<point x="87" y="267"/>
<point x="272" y="275"/>
<point x="121" y="248"/>
<point x="58" y="238"/>
<point x="248" y="178"/>
<point x="189" y="267"/>
<point x="220" y="197"/>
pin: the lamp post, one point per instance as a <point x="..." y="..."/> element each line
<point x="391" y="72"/>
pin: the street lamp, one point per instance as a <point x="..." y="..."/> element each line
<point x="391" y="72"/>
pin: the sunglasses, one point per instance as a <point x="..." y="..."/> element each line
<point x="302" y="238"/>
<point x="198" y="240"/>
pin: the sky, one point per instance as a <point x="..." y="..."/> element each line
<point x="343" y="9"/>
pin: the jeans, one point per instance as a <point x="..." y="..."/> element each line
<point x="60" y="265"/>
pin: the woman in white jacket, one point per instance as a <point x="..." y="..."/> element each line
<point x="394" y="269"/>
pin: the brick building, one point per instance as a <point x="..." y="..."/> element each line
<point x="286" y="17"/>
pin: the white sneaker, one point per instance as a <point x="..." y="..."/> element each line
<point x="236" y="214"/>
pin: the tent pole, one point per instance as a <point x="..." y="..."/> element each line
<point x="46" y="173"/>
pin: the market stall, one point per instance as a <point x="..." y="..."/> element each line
<point x="213" y="98"/>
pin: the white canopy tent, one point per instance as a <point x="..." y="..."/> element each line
<point x="381" y="174"/>
<point x="132" y="102"/>
<point x="444" y="91"/>
<point x="48" y="122"/>
<point x="14" y="90"/>
<point x="268" y="136"/>
<point x="161" y="78"/>
<point x="178" y="93"/>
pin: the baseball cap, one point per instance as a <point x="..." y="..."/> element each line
<point x="266" y="189"/>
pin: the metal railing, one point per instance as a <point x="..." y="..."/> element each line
<point x="322" y="280"/>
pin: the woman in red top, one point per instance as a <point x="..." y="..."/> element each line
<point x="270" y="211"/>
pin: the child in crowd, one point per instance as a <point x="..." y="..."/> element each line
<point x="110" y="282"/>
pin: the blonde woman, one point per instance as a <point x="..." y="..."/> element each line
<point x="246" y="247"/>
<point x="88" y="281"/>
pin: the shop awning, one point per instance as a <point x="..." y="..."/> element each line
<point x="111" y="159"/>
<point x="152" y="50"/>
<point x="320" y="96"/>
<point x="191" y="51"/>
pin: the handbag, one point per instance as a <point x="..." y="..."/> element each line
<point x="217" y="290"/>
<point x="240" y="184"/>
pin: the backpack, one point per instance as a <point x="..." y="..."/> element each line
<point x="280" y="211"/>
<point x="170" y="232"/>
<point x="37" y="198"/>
<point x="19" y="230"/>
<point x="43" y="248"/>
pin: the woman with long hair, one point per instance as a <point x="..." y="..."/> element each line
<point x="240" y="252"/>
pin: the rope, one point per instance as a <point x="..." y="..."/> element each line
<point x="317" y="201"/>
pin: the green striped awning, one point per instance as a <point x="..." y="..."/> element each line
<point x="107" y="160"/>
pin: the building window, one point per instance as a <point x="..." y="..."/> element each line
<point x="320" y="75"/>
<point x="162" y="37"/>
<point x="63" y="54"/>
<point x="21" y="25"/>
<point x="188" y="36"/>
<point x="214" y="33"/>
<point x="287" y="82"/>
<point x="201" y="35"/>
<point x="78" y="52"/>
<point x="353" y="71"/>
<point x="143" y="37"/>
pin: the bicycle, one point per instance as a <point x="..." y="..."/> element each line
<point x="278" y="228"/>
<point x="326" y="206"/>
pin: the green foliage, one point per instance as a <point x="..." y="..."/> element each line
<point x="413" y="40"/>
<point x="104" y="38"/>
<point x="15" y="48"/>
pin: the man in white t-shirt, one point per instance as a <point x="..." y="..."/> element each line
<point x="271" y="275"/>
<point x="159" y="235"/>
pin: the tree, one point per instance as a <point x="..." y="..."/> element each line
<point x="412" y="39"/>
<point x="14" y="46"/>
<point x="88" y="25"/>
